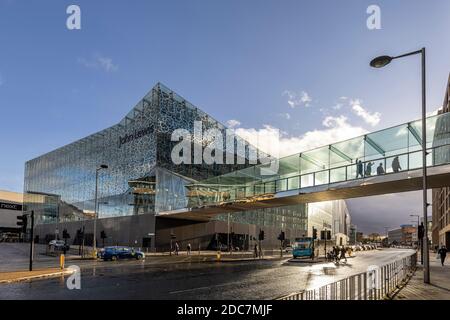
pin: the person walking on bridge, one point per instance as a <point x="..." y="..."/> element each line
<point x="359" y="169"/>
<point x="380" y="169"/>
<point x="396" y="165"/>
<point x="369" y="168"/>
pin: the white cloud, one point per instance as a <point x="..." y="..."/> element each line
<point x="107" y="64"/>
<point x="337" y="106"/>
<point x="99" y="62"/>
<point x="285" y="115"/>
<point x="296" y="100"/>
<point x="370" y="118"/>
<point x="335" y="129"/>
<point x="233" y="123"/>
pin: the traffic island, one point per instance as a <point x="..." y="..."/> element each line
<point x="17" y="276"/>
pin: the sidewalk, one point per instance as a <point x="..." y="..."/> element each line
<point x="438" y="289"/>
<point x="15" y="276"/>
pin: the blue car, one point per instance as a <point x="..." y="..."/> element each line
<point x="117" y="253"/>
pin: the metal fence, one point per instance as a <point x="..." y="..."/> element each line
<point x="374" y="284"/>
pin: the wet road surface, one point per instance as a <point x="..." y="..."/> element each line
<point x="158" y="278"/>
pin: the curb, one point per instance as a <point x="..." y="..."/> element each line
<point x="40" y="276"/>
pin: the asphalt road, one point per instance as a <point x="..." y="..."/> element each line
<point x="161" y="279"/>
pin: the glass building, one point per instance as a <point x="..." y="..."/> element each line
<point x="142" y="181"/>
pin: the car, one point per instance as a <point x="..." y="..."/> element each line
<point x="59" y="245"/>
<point x="119" y="253"/>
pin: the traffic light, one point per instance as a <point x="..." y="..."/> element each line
<point x="325" y="234"/>
<point x="421" y="231"/>
<point x="281" y="236"/>
<point x="314" y="233"/>
<point x="22" y="221"/>
<point x="261" y="234"/>
<point x="65" y="234"/>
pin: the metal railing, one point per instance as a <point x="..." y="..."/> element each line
<point x="377" y="283"/>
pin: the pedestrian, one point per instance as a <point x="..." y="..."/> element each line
<point x="336" y="253"/>
<point x="359" y="169"/>
<point x="369" y="168"/>
<point x="189" y="249"/>
<point x="177" y="248"/>
<point x="343" y="250"/>
<point x="396" y="165"/>
<point x="256" y="251"/>
<point x="442" y="253"/>
<point x="380" y="169"/>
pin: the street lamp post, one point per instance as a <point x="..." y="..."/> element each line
<point x="103" y="166"/>
<point x="380" y="62"/>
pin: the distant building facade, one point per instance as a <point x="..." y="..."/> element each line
<point x="329" y="215"/>
<point x="441" y="197"/>
<point x="405" y="235"/>
<point x="359" y="236"/>
<point x="10" y="208"/>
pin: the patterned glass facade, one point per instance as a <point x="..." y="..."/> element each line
<point x="141" y="177"/>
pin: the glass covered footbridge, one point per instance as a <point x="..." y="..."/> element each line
<point x="385" y="161"/>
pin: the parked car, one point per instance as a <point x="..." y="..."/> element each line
<point x="58" y="245"/>
<point x="118" y="253"/>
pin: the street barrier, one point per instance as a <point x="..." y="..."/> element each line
<point x="377" y="283"/>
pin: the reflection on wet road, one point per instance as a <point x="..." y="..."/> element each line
<point x="150" y="279"/>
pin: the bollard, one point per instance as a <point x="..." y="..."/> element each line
<point x="218" y="255"/>
<point x="61" y="261"/>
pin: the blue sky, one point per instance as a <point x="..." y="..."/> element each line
<point x="240" y="60"/>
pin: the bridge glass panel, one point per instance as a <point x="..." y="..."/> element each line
<point x="338" y="162"/>
<point x="346" y="152"/>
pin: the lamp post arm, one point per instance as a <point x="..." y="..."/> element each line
<point x="408" y="54"/>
